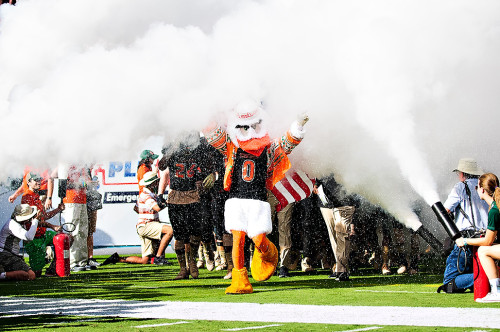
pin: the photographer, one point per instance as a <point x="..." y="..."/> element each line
<point x="471" y="215"/>
<point x="488" y="190"/>
<point x="22" y="226"/>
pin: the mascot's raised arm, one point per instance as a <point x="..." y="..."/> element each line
<point x="254" y="164"/>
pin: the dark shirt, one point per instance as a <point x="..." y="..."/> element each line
<point x="494" y="218"/>
<point x="249" y="176"/>
<point x="185" y="169"/>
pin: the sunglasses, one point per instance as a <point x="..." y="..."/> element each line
<point x="245" y="127"/>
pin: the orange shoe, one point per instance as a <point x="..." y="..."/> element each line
<point x="240" y="283"/>
<point x="264" y="264"/>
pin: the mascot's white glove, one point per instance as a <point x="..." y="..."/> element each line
<point x="297" y="128"/>
<point x="302" y="119"/>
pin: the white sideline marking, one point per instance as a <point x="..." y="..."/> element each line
<point x="364" y="329"/>
<point x="251" y="327"/>
<point x="478" y="318"/>
<point x="155" y="325"/>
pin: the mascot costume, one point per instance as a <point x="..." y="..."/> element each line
<point x="254" y="163"/>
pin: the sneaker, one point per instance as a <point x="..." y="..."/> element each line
<point x="160" y="261"/>
<point x="78" y="268"/>
<point x="210" y="265"/>
<point x="229" y="274"/>
<point x="90" y="267"/>
<point x="113" y="259"/>
<point x="200" y="264"/>
<point x="342" y="276"/>
<point x="221" y="266"/>
<point x="283" y="272"/>
<point x="402" y="269"/>
<point x="306" y="266"/>
<point x="490" y="297"/>
<point x="333" y="275"/>
<point x="385" y="270"/>
<point x="93" y="262"/>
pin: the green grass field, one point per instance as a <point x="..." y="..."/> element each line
<point x="154" y="283"/>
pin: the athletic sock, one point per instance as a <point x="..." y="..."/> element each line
<point x="494" y="283"/>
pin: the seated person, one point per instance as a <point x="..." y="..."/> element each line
<point x="470" y="213"/>
<point x="22" y="226"/>
<point x="488" y="251"/>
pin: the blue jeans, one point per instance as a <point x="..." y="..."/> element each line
<point x="465" y="279"/>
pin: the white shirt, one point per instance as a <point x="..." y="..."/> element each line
<point x="146" y="201"/>
<point x="13" y="232"/>
<point x="458" y="197"/>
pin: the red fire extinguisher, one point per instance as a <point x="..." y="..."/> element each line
<point x="61" y="245"/>
<point x="481" y="283"/>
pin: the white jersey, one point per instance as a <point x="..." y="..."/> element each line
<point x="12" y="233"/>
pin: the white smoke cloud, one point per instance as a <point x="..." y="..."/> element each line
<point x="397" y="91"/>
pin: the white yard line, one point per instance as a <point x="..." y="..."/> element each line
<point x="254" y="312"/>
<point x="364" y="329"/>
<point x="163" y="324"/>
<point x="251" y="327"/>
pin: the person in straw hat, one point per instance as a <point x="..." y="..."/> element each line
<point x="149" y="228"/>
<point x="470" y="214"/>
<point x="22" y="226"/>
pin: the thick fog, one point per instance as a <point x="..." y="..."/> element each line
<point x="396" y="91"/>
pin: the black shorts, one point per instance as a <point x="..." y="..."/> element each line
<point x="10" y="262"/>
<point x="185" y="220"/>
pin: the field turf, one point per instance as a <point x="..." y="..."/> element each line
<point x="155" y="283"/>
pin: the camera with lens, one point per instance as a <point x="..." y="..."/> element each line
<point x="473" y="233"/>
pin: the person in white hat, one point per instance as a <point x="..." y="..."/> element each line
<point x="149" y="228"/>
<point x="471" y="214"/>
<point x="22" y="226"/>
<point x="255" y="163"/>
